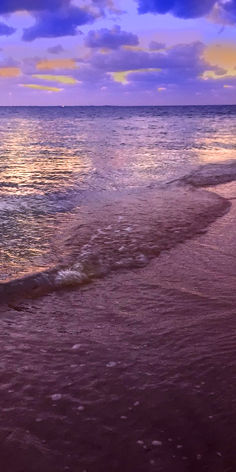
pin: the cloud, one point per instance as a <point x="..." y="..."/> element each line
<point x="9" y="6"/>
<point x="222" y="56"/>
<point x="9" y="72"/>
<point x="56" y="49"/>
<point x="189" y="8"/>
<point x="155" y="46"/>
<point x="178" y="69"/>
<point x="55" y="64"/>
<point x="227" y="11"/>
<point x="110" y="4"/>
<point x="101" y="6"/>
<point x="130" y="75"/>
<point x="63" y="79"/>
<point x="61" y="22"/>
<point x="42" y="87"/>
<point x="130" y="69"/>
<point x="123" y="77"/>
<point x="180" y="8"/>
<point x="111" y="39"/>
<point x="54" y="18"/>
<point x="6" y="30"/>
<point x="182" y="58"/>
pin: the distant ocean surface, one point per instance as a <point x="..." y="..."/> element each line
<point x="63" y="171"/>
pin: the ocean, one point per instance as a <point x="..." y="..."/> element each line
<point x="57" y="163"/>
<point x="117" y="289"/>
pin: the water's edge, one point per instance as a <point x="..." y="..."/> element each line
<point x="65" y="276"/>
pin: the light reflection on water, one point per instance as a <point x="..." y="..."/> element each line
<point x="217" y="147"/>
<point x="49" y="156"/>
<point x="37" y="158"/>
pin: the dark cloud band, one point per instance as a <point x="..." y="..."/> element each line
<point x="6" y="30"/>
<point x="62" y="22"/>
<point x="189" y="8"/>
<point x="9" y="6"/>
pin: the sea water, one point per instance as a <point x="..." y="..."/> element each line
<point x="88" y="175"/>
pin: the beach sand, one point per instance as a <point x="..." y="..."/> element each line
<point x="134" y="372"/>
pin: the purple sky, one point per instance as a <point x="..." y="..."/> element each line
<point x="117" y="52"/>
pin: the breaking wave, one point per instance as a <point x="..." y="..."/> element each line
<point x="126" y="230"/>
<point x="211" y="174"/>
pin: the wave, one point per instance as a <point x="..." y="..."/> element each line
<point x="47" y="203"/>
<point x="211" y="174"/>
<point x="126" y="230"/>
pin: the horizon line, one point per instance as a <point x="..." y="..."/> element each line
<point x="121" y="106"/>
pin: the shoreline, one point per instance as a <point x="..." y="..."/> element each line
<point x="41" y="283"/>
<point x="141" y="360"/>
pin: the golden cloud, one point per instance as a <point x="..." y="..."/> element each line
<point x="63" y="79"/>
<point x="161" y="89"/>
<point x="134" y="48"/>
<point x="42" y="87"/>
<point x="143" y="49"/>
<point x="54" y="64"/>
<point x="122" y="77"/>
<point x="223" y="56"/>
<point x="9" y="72"/>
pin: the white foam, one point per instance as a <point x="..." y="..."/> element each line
<point x="141" y="258"/>
<point x="76" y="347"/>
<point x="111" y="364"/>
<point x="70" y="277"/>
<point x="156" y="443"/>
<point x="56" y="396"/>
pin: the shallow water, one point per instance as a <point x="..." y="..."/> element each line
<point x="56" y="161"/>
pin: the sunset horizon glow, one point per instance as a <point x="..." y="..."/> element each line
<point x="117" y="52"/>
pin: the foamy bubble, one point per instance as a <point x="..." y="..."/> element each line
<point x="111" y="364"/>
<point x="56" y="396"/>
<point x="70" y="277"/>
<point x="76" y="347"/>
<point x="156" y="443"/>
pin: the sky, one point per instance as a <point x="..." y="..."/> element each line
<point x="117" y="52"/>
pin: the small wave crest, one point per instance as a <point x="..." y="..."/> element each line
<point x="211" y="174"/>
<point x="123" y="231"/>
<point x="126" y="230"/>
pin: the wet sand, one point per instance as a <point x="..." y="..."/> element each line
<point x="134" y="372"/>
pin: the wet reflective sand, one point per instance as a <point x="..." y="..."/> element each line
<point x="134" y="372"/>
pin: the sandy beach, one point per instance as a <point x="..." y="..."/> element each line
<point x="134" y="372"/>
